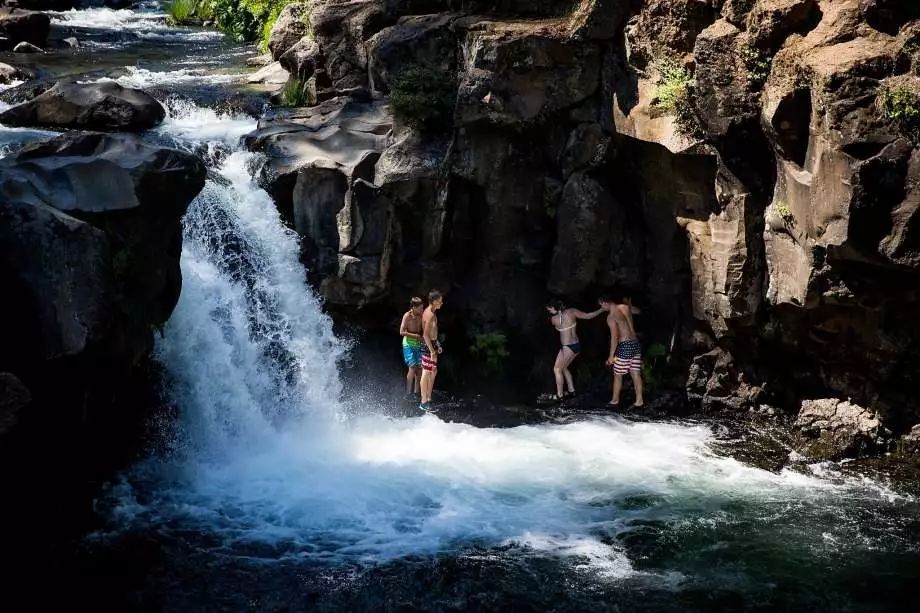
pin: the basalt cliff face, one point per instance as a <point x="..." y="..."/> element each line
<point x="748" y="169"/>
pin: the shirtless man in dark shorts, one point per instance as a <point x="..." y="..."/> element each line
<point x="431" y="348"/>
<point x="625" y="351"/>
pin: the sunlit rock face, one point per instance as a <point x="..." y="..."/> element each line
<point x="730" y="164"/>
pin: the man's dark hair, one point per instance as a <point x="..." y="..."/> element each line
<point x="416" y="302"/>
<point x="434" y="295"/>
<point x="556" y="303"/>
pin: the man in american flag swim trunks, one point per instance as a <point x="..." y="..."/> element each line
<point x="625" y="351"/>
<point x="431" y="348"/>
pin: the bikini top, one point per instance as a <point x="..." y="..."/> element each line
<point x="560" y="322"/>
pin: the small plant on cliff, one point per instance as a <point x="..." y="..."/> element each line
<point x="758" y="66"/>
<point x="491" y="349"/>
<point x="295" y="93"/>
<point x="655" y="366"/>
<point x="901" y="104"/>
<point x="422" y="97"/>
<point x="674" y="96"/>
<point x="782" y="209"/>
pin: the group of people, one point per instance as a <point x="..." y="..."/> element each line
<point x="625" y="355"/>
<point x="421" y="349"/>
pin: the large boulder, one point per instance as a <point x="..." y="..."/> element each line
<point x="288" y="29"/>
<point x="90" y="106"/>
<point x="832" y="429"/>
<point x="90" y="241"/>
<point x="20" y="25"/>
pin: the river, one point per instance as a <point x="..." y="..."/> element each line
<point x="270" y="492"/>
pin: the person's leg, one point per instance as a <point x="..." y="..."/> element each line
<point x="558" y="370"/>
<point x="636" y="375"/>
<point x="617" y="388"/>
<point x="417" y="377"/>
<point x="410" y="379"/>
<point x="425" y="386"/>
<point x="566" y="373"/>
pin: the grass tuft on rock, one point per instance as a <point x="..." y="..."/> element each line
<point x="295" y="93"/>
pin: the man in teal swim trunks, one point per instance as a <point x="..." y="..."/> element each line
<point x="411" y="331"/>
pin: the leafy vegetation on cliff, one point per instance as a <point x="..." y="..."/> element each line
<point x="422" y="97"/>
<point x="901" y="104"/>
<point x="491" y="349"/>
<point x="674" y="96"/>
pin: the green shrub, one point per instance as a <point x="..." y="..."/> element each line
<point x="655" y="372"/>
<point x="181" y="11"/>
<point x="234" y="19"/>
<point x="674" y="96"/>
<point x="901" y="104"/>
<point x="422" y="97"/>
<point x="296" y="93"/>
<point x="491" y="349"/>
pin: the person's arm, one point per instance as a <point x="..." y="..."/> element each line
<point x="582" y="315"/>
<point x="614" y="340"/>
<point x="426" y="337"/>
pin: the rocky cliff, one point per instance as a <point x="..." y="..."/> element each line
<point x="747" y="168"/>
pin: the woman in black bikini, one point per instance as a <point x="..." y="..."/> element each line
<point x="564" y="320"/>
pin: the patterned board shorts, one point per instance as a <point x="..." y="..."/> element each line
<point x="627" y="357"/>
<point x="412" y="352"/>
<point x="427" y="363"/>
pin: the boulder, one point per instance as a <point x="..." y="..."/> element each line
<point x="25" y="47"/>
<point x="9" y="73"/>
<point x="90" y="240"/>
<point x="272" y="74"/>
<point x="21" y="25"/>
<point x="910" y="442"/>
<point x="519" y="73"/>
<point x="90" y="106"/>
<point x="302" y="59"/>
<point x="833" y="429"/>
<point x="289" y="28"/>
<point x="425" y="41"/>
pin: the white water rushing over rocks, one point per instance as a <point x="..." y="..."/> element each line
<point x="263" y="459"/>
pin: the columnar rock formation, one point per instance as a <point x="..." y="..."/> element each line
<point x="730" y="162"/>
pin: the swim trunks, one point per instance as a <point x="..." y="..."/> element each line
<point x="627" y="357"/>
<point x="575" y="347"/>
<point x="429" y="364"/>
<point x="412" y="351"/>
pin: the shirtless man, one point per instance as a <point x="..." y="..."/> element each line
<point x="564" y="320"/>
<point x="411" y="331"/>
<point x="625" y="352"/>
<point x="431" y="348"/>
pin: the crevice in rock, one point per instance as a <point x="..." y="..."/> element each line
<point x="791" y="123"/>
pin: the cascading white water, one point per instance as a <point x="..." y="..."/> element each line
<point x="261" y="460"/>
